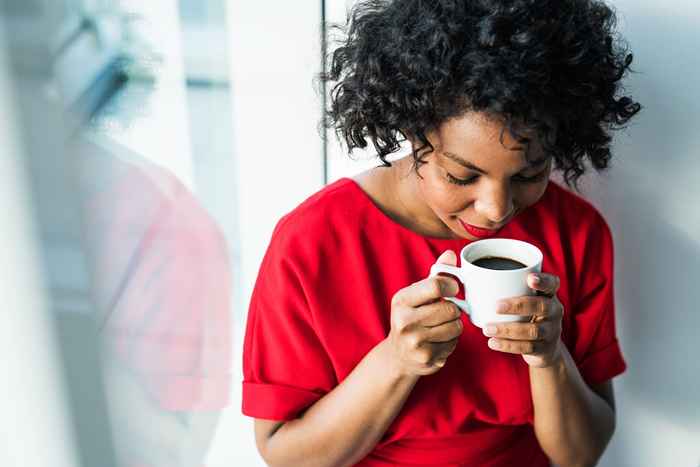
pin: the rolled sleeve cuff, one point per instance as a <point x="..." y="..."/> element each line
<point x="276" y="402"/>
<point x="602" y="365"/>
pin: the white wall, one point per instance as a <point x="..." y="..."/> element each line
<point x="651" y="199"/>
<point x="274" y="52"/>
<point x="274" y="56"/>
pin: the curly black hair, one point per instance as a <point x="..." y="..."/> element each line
<point x="552" y="68"/>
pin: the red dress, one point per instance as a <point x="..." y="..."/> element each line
<point x="322" y="301"/>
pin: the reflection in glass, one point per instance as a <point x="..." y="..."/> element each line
<point x="125" y="115"/>
<point x="161" y="285"/>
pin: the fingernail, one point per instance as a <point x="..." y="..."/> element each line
<point x="536" y="279"/>
<point x="493" y="344"/>
<point x="502" y="307"/>
<point x="490" y="330"/>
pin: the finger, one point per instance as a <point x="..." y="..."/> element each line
<point x="548" y="284"/>
<point x="520" y="331"/>
<point x="447" y="257"/>
<point x="515" y="346"/>
<point x="437" y="313"/>
<point x="441" y="351"/>
<point x="426" y="291"/>
<point x="443" y="333"/>
<point x="525" y="306"/>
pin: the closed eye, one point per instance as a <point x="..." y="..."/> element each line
<point x="517" y="178"/>
<point x="460" y="181"/>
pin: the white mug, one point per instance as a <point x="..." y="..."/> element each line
<point x="485" y="287"/>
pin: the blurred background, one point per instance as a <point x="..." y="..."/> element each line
<point x="148" y="149"/>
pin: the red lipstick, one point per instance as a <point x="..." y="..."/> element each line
<point x="478" y="231"/>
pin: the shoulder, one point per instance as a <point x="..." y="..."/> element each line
<point x="575" y="214"/>
<point x="580" y="235"/>
<point x="333" y="212"/>
<point x="308" y="239"/>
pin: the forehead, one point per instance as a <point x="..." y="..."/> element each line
<point x="485" y="142"/>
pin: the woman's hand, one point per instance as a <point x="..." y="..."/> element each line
<point x="539" y="340"/>
<point x="425" y="328"/>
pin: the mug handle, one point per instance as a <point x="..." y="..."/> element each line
<point x="437" y="268"/>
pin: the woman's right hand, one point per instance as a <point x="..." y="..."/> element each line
<point x="425" y="328"/>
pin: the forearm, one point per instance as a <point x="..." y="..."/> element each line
<point x="344" y="426"/>
<point x="572" y="423"/>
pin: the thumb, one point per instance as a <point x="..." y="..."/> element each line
<point x="447" y="257"/>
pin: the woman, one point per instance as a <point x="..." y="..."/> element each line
<point x="352" y="356"/>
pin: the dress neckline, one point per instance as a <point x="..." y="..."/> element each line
<point x="396" y="225"/>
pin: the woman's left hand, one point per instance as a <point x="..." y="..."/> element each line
<point x="538" y="341"/>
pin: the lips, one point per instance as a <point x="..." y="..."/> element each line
<point x="478" y="231"/>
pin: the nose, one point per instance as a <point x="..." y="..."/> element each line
<point x="495" y="203"/>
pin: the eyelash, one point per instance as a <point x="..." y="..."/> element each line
<point x="469" y="181"/>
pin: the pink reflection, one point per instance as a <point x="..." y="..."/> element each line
<point x="162" y="285"/>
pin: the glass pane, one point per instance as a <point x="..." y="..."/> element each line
<point x="161" y="229"/>
<point x="139" y="150"/>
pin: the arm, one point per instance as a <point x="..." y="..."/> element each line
<point x="346" y="424"/>
<point x="573" y="423"/>
<point x="342" y="427"/>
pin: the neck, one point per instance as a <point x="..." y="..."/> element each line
<point x="416" y="214"/>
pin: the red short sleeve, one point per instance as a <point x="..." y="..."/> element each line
<point x="285" y="366"/>
<point x="595" y="347"/>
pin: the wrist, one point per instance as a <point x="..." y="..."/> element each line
<point x="390" y="364"/>
<point x="554" y="361"/>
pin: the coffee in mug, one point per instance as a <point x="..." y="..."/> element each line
<point x="498" y="263"/>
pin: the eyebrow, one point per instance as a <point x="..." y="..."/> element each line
<point x="469" y="165"/>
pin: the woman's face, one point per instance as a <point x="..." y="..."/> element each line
<point x="472" y="181"/>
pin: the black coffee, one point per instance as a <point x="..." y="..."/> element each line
<point x="499" y="263"/>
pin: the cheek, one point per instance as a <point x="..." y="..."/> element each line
<point x="447" y="201"/>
